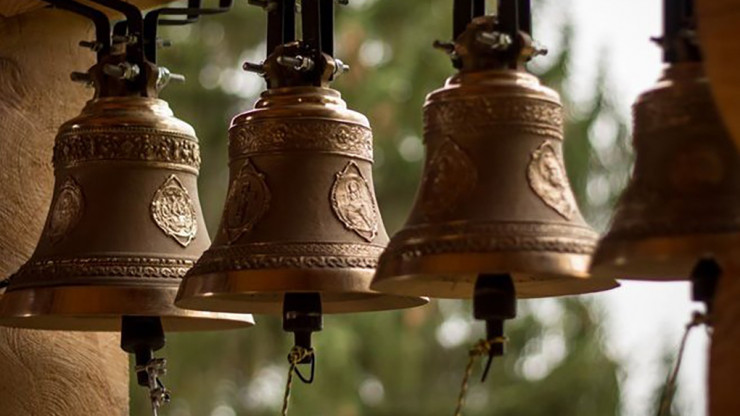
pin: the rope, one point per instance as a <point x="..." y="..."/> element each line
<point x="297" y="354"/>
<point x="666" y="398"/>
<point x="480" y="349"/>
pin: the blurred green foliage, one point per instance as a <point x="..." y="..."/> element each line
<point x="394" y="363"/>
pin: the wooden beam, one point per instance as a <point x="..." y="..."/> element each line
<point x="44" y="372"/>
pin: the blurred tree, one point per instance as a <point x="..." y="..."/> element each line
<point x="395" y="363"/>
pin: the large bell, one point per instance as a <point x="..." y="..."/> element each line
<point x="683" y="202"/>
<point x="124" y="226"/>
<point x="301" y="214"/>
<point x="494" y="197"/>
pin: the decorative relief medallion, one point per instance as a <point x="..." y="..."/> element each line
<point x="126" y="144"/>
<point x="468" y="115"/>
<point x="449" y="178"/>
<point x="547" y="178"/>
<point x="314" y="135"/>
<point x="248" y="200"/>
<point x="287" y="256"/>
<point x="354" y="203"/>
<point x="67" y="210"/>
<point x="173" y="211"/>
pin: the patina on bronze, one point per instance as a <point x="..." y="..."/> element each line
<point x="683" y="201"/>
<point x="494" y="197"/>
<point x="301" y="214"/>
<point x="125" y="222"/>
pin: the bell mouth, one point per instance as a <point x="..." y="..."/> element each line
<point x="262" y="291"/>
<point x="100" y="308"/>
<point x="453" y="275"/>
<point x="663" y="258"/>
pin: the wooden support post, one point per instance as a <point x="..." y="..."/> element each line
<point x="44" y="372"/>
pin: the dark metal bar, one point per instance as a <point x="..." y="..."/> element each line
<point x="479" y="8"/>
<point x="102" y="24"/>
<point x="672" y="11"/>
<point x="311" y="22"/>
<point x="191" y="13"/>
<point x="134" y="26"/>
<point x="326" y="23"/>
<point x="462" y="14"/>
<point x="508" y="13"/>
<point x="280" y="24"/>
<point x="525" y="16"/>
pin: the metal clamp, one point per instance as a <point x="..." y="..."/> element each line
<point x="158" y="393"/>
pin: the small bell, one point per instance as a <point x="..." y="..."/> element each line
<point x="494" y="197"/>
<point x="682" y="203"/>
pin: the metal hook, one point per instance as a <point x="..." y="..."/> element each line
<point x="192" y="12"/>
<point x="487" y="368"/>
<point x="102" y="24"/>
<point x="309" y="380"/>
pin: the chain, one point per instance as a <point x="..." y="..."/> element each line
<point x="297" y="354"/>
<point x="666" y="399"/>
<point x="480" y="349"/>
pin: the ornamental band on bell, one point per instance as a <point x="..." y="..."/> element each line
<point x="248" y="200"/>
<point x="547" y="178"/>
<point x="173" y="211"/>
<point x="353" y="202"/>
<point x="67" y="210"/>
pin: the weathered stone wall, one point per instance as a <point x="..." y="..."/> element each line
<point x="45" y="373"/>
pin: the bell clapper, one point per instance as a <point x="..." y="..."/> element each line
<point x="302" y="315"/>
<point x="142" y="336"/>
<point x="704" y="279"/>
<point x="494" y="301"/>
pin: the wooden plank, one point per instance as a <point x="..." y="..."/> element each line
<point x="719" y="27"/>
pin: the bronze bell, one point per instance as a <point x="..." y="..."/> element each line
<point x="125" y="222"/>
<point x="301" y="214"/>
<point x="682" y="202"/>
<point x="494" y="197"/>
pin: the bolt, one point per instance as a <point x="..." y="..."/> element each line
<point x="447" y="47"/>
<point x="163" y="43"/>
<point x="255" y="68"/>
<point x="496" y="40"/>
<point x="94" y="46"/>
<point x="127" y="39"/>
<point x="164" y="77"/>
<point x="81" y="77"/>
<point x="341" y="68"/>
<point x="122" y="71"/>
<point x="298" y="63"/>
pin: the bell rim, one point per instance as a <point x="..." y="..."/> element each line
<point x="99" y="308"/>
<point x="260" y="291"/>
<point x="452" y="275"/>
<point x="675" y="256"/>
